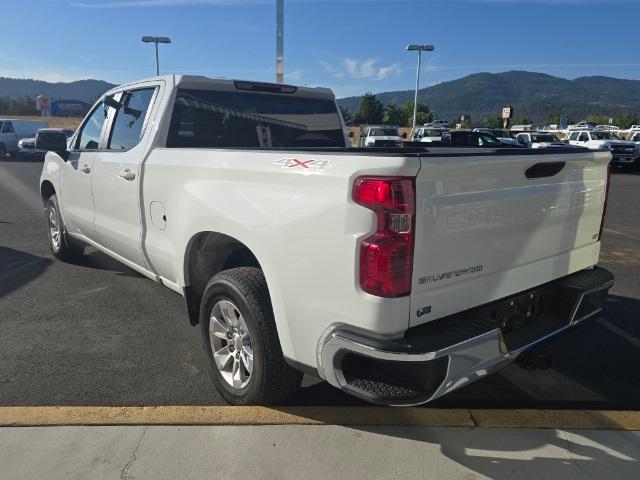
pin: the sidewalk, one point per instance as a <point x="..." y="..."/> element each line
<point x="310" y="452"/>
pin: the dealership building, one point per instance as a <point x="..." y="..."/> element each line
<point x="69" y="108"/>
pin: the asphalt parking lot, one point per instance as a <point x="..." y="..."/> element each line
<point x="97" y="333"/>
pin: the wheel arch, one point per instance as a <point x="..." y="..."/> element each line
<point x="46" y="190"/>
<point x="208" y="253"/>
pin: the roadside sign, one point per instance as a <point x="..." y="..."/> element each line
<point x="507" y="113"/>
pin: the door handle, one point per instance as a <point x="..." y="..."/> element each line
<point x="127" y="174"/>
<point x="85" y="168"/>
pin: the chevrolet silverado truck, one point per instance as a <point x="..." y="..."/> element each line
<point x="395" y="274"/>
<point x="623" y="152"/>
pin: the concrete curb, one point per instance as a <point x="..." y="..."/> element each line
<point x="365" y="416"/>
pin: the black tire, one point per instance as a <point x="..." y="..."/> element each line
<point x="272" y="380"/>
<point x="3" y="151"/>
<point x="65" y="248"/>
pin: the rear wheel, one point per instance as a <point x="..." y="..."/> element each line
<point x="62" y="247"/>
<point x="240" y="338"/>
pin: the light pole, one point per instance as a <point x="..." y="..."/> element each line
<point x="156" y="41"/>
<point x="417" y="48"/>
<point x="279" y="41"/>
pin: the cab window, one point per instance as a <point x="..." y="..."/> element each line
<point x="89" y="136"/>
<point x="7" y="127"/>
<point x="584" y="137"/>
<point x="129" y="119"/>
<point x="485" y="139"/>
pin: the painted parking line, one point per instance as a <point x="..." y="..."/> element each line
<point x="619" y="332"/>
<point x="362" y="416"/>
<point x="615" y="232"/>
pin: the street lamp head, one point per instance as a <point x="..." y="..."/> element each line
<point x="148" y="39"/>
<point x="420" y="48"/>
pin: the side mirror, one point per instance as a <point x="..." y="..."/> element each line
<point x="112" y="102"/>
<point x="51" y="141"/>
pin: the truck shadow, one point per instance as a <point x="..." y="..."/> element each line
<point x="511" y="453"/>
<point x="18" y="268"/>
<point x="100" y="261"/>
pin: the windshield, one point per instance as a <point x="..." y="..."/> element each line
<point x="215" y="119"/>
<point x="383" y="132"/>
<point x="485" y="139"/>
<point x="603" y="136"/>
<point x="432" y="133"/>
<point x="544" y="138"/>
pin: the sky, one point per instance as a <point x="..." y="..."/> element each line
<point x="351" y="46"/>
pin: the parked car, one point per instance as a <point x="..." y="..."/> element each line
<point x="27" y="146"/>
<point x="623" y="152"/>
<point x="584" y="125"/>
<point x="437" y="124"/>
<point x="608" y="127"/>
<point x="428" y="135"/>
<point x="476" y="139"/>
<point x="540" y="140"/>
<point x="521" y="128"/>
<point x="504" y="136"/>
<point x="382" y="136"/>
<point x="635" y="137"/>
<point x="13" y="130"/>
<point x="397" y="275"/>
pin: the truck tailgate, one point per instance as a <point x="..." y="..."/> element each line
<point x="484" y="230"/>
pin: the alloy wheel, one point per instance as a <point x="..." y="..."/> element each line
<point x="231" y="344"/>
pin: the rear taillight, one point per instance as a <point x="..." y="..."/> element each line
<point x="606" y="199"/>
<point x="386" y="257"/>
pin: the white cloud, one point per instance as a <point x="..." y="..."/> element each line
<point x="368" y="69"/>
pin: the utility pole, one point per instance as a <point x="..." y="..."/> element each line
<point x="279" y="41"/>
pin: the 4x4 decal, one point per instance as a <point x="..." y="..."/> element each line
<point x="309" y="164"/>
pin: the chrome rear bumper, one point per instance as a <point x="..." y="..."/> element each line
<point x="437" y="358"/>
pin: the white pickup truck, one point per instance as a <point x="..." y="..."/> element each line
<point x="382" y="136"/>
<point x="623" y="152"/>
<point x="396" y="274"/>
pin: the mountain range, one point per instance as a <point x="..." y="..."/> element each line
<point x="534" y="96"/>
<point x="482" y="95"/>
<point x="85" y="90"/>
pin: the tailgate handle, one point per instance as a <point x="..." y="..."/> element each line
<point x="541" y="170"/>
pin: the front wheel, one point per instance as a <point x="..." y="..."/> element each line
<point x="240" y="338"/>
<point x="62" y="247"/>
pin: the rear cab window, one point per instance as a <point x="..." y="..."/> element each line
<point x="243" y="119"/>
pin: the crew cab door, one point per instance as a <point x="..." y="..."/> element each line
<point x="75" y="177"/>
<point x="116" y="179"/>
